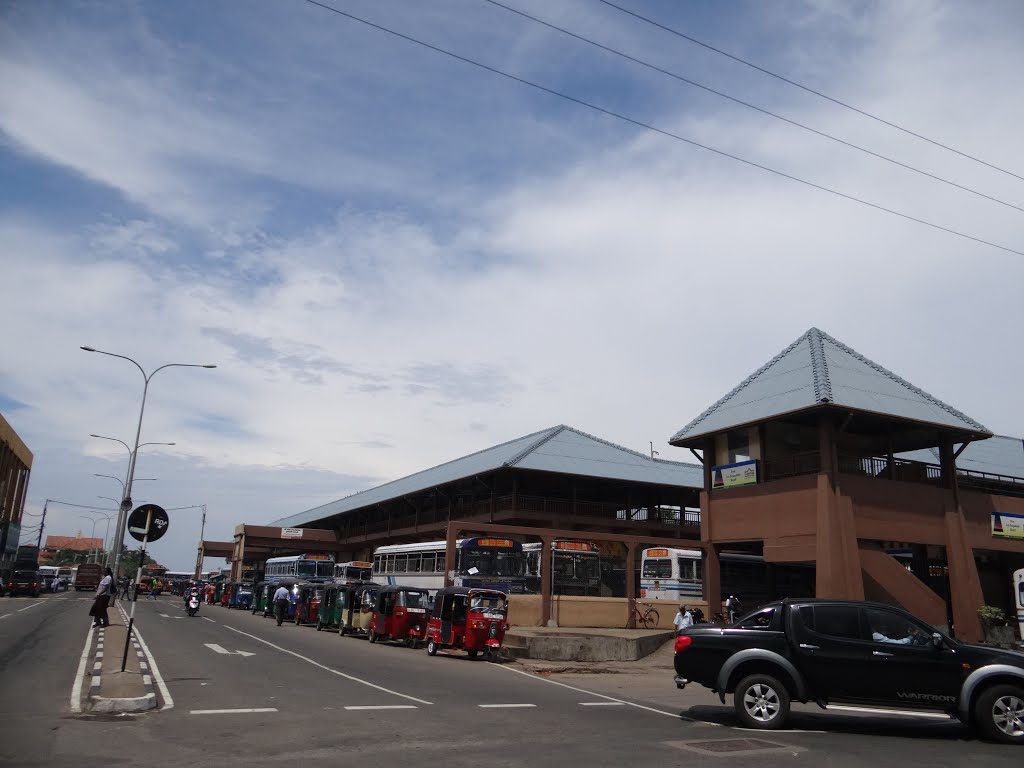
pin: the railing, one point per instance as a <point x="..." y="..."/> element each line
<point x="790" y="466"/>
<point x="986" y="481"/>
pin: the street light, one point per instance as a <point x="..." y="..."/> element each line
<point x="126" y="504"/>
<point x="137" y="480"/>
<point x="92" y="534"/>
<point x="106" y="535"/>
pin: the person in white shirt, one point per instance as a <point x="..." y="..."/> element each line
<point x="683" y="619"/>
<point x="99" y="605"/>
<point x="281" y="598"/>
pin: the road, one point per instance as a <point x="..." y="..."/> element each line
<point x="242" y="691"/>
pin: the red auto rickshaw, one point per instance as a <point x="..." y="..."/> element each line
<point x="470" y="620"/>
<point x="225" y="593"/>
<point x="307" y="606"/>
<point x="400" y="613"/>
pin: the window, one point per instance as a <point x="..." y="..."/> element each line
<point x="760" y="620"/>
<point x="428" y="563"/>
<point x="658" y="569"/>
<point x="738" y="445"/>
<point x="895" y="628"/>
<point x="841" y="621"/>
<point x="401" y="563"/>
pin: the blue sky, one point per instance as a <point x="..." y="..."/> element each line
<point x="395" y="258"/>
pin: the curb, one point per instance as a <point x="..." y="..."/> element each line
<point x="98" y="703"/>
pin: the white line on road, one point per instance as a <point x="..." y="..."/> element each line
<point x="505" y="706"/>
<point x="164" y="693"/>
<point x="385" y="706"/>
<point x="205" y="618"/>
<point x="222" y="649"/>
<point x="6" y="615"/>
<point x="332" y="671"/>
<point x="899" y="712"/>
<point x="29" y="606"/>
<point x="76" y="689"/>
<point x="601" y="704"/>
<point x="231" y="711"/>
<point x="600" y="695"/>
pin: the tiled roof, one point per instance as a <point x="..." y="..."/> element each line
<point x="77" y="543"/>
<point x="816" y="370"/>
<point x="557" y="449"/>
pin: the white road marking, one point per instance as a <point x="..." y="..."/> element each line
<point x="601" y="704"/>
<point x="209" y="620"/>
<point x="222" y="649"/>
<point x="899" y="712"/>
<point x="386" y="706"/>
<point x="505" y="706"/>
<point x="231" y="711"/>
<point x="76" y="689"/>
<point x="600" y="695"/>
<point x="164" y="693"/>
<point x="28" y="606"/>
<point x="5" y="615"/>
<point x="164" y="615"/>
<point x="332" y="671"/>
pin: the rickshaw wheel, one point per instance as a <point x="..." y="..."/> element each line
<point x="472" y="654"/>
<point x="371" y="636"/>
<point x="431" y="648"/>
<point x="319" y="625"/>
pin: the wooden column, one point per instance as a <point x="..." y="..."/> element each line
<point x="631" y="584"/>
<point x="965" y="591"/>
<point x="838" y="572"/>
<point x="712" y="573"/>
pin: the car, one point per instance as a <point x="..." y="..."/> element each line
<point x="831" y="651"/>
<point x="24" y="583"/>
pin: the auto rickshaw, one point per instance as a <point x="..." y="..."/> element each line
<point x="357" y="602"/>
<point x="240" y="596"/>
<point x="261" y="598"/>
<point x="400" y="613"/>
<point x="328" y="612"/>
<point x="307" y="603"/>
<point x="222" y="595"/>
<point x="470" y="620"/>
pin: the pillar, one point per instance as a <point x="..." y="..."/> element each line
<point x="546" y="581"/>
<point x="712" y="572"/>
<point x="965" y="591"/>
<point x="631" y="583"/>
<point x="837" y="567"/>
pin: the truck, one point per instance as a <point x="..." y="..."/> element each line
<point x="855" y="652"/>
<point x="87" y="576"/>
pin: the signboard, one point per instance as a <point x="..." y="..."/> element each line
<point x="494" y="542"/>
<point x="657" y="553"/>
<point x="291" y="533"/>
<point x="575" y="546"/>
<point x="158" y="522"/>
<point x="734" y="475"/>
<point x="1007" y="526"/>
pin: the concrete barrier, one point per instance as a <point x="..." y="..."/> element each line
<point x="569" y="645"/>
<point x="578" y="612"/>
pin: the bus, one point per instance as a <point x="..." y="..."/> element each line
<point x="481" y="561"/>
<point x="576" y="567"/>
<point x="677" y="574"/>
<point x="48" y="573"/>
<point x="309" y="567"/>
<point x="353" y="570"/>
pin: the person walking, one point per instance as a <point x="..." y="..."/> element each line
<point x="732" y="605"/>
<point x="280" y="603"/>
<point x="102" y="600"/>
<point x="683" y="619"/>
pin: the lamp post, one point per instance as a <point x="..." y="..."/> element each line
<point x="113" y="558"/>
<point x="108" y="518"/>
<point x="92" y="534"/>
<point x="126" y="502"/>
<point x="200" y="554"/>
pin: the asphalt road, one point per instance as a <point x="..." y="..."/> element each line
<point x="242" y="691"/>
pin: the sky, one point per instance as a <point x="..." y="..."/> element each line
<point x="396" y="258"/>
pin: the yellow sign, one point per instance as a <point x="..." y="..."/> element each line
<point x="657" y="553"/>
<point x="1006" y="525"/>
<point x="576" y="546"/>
<point x="494" y="542"/>
<point x="734" y="475"/>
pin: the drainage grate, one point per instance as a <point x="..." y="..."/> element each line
<point x="729" y="747"/>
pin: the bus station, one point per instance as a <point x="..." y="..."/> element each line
<point x="822" y="471"/>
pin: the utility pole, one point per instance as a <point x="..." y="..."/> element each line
<point x="42" y="523"/>
<point x="199" y="549"/>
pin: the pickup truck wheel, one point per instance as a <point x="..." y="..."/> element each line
<point x="999" y="714"/>
<point x="762" y="702"/>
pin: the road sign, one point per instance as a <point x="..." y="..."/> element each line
<point x="158" y="522"/>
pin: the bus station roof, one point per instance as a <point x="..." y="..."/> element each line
<point x="559" y="449"/>
<point x="817" y="370"/>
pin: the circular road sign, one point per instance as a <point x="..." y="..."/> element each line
<point x="158" y="522"/>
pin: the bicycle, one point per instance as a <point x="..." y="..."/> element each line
<point x="648" y="618"/>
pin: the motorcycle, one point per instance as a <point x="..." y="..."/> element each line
<point x="193" y="604"/>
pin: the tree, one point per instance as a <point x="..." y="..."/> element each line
<point x="130" y="563"/>
<point x="67" y="557"/>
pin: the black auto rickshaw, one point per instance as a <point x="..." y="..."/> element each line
<point x="400" y="613"/>
<point x="470" y="620"/>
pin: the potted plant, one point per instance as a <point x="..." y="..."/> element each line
<point x="997" y="631"/>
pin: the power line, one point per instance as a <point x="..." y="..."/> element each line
<point x="808" y="89"/>
<point x="662" y="131"/>
<point x="747" y="104"/>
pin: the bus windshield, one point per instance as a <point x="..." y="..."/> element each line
<point x="325" y="569"/>
<point x="305" y="568"/>
<point x="658" y="569"/>
<point x="493" y="562"/>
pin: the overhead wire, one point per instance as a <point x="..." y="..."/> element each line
<point x="749" y="105"/>
<point x="661" y="131"/>
<point x="808" y="89"/>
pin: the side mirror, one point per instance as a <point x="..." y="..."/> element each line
<point x="937" y="641"/>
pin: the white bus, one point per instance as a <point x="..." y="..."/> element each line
<point x="353" y="570"/>
<point x="308" y="567"/>
<point x="677" y="574"/>
<point x="481" y="561"/>
<point x="576" y="567"/>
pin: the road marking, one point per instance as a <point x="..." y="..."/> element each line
<point x="899" y="712"/>
<point x="164" y="615"/>
<point x="6" y="615"/>
<point x="231" y="711"/>
<point x="164" y="693"/>
<point x="76" y="689"/>
<point x="505" y="706"/>
<point x="209" y="620"/>
<point x="27" y="607"/>
<point x="332" y="671"/>
<point x="601" y="704"/>
<point x="600" y="695"/>
<point x="386" y="706"/>
<point x="222" y="649"/>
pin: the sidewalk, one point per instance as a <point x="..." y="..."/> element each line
<point x="583" y="644"/>
<point x="112" y="690"/>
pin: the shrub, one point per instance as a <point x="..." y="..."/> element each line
<point x="992" y="616"/>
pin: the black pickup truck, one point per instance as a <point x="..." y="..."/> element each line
<point x="854" y="652"/>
